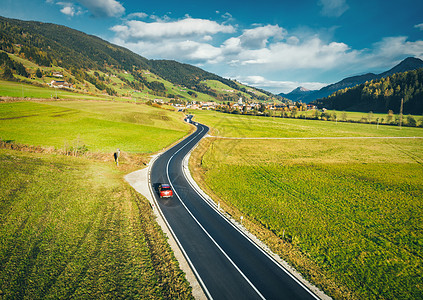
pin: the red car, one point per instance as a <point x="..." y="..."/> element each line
<point x="165" y="191"/>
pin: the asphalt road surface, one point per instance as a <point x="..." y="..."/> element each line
<point x="226" y="263"/>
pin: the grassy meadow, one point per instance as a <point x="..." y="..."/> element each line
<point x="347" y="213"/>
<point x="100" y="126"/>
<point x="23" y="90"/>
<point x="229" y="125"/>
<point x="71" y="227"/>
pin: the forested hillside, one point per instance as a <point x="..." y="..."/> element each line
<point x="381" y="95"/>
<point x="49" y="44"/>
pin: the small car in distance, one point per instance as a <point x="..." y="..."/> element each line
<point x="165" y="191"/>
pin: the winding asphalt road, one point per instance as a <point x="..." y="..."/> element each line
<point x="226" y="263"/>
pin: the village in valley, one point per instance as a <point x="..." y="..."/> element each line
<point x="245" y="107"/>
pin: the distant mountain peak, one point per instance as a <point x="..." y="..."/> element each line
<point x="408" y="64"/>
<point x="300" y="89"/>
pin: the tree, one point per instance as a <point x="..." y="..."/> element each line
<point x="38" y="73"/>
<point x="316" y="114"/>
<point x="411" y="121"/>
<point x="390" y="116"/>
<point x="370" y="116"/>
<point x="7" y="74"/>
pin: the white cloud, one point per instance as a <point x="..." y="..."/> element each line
<point x="182" y="50"/>
<point x="276" y="86"/>
<point x="258" y="37"/>
<point x="103" y="8"/>
<point x="68" y="8"/>
<point x="139" y="15"/>
<point x="333" y="8"/>
<point x="391" y="48"/>
<point x="419" y="26"/>
<point x="182" y="28"/>
<point x="293" y="53"/>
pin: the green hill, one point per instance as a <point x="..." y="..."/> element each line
<point x="381" y="95"/>
<point x="93" y="65"/>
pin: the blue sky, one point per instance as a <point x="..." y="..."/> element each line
<point x="271" y="44"/>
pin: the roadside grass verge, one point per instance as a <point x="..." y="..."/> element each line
<point x="347" y="214"/>
<point x="98" y="126"/>
<point x="72" y="228"/>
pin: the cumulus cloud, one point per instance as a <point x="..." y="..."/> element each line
<point x="176" y="29"/>
<point x="69" y="9"/>
<point x="103" y="8"/>
<point x="333" y="8"/>
<point x="138" y="15"/>
<point x="277" y="86"/>
<point x="258" y="37"/>
<point x="269" y="47"/>
<point x="272" y="48"/>
<point x="393" y="48"/>
<point x="182" y="50"/>
<point x="419" y="26"/>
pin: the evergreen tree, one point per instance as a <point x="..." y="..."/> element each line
<point x="7" y="74"/>
<point x="38" y="73"/>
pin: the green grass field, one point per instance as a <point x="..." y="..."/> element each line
<point x="229" y="125"/>
<point x="72" y="228"/>
<point x="23" y="90"/>
<point x="100" y="126"/>
<point x="352" y="207"/>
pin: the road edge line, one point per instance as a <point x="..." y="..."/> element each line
<point x="184" y="264"/>
<point x="313" y="290"/>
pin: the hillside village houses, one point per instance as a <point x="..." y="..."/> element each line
<point x="57" y="74"/>
<point x="60" y="84"/>
<point x="240" y="105"/>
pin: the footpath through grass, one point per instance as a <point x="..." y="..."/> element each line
<point x="72" y="228"/>
<point x="347" y="213"/>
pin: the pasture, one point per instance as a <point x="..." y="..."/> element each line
<point x="23" y="90"/>
<point x="230" y="125"/>
<point x="99" y="126"/>
<point x="72" y="228"/>
<point x="347" y="213"/>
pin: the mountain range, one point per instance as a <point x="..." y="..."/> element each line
<point x="94" y="65"/>
<point x="307" y="96"/>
